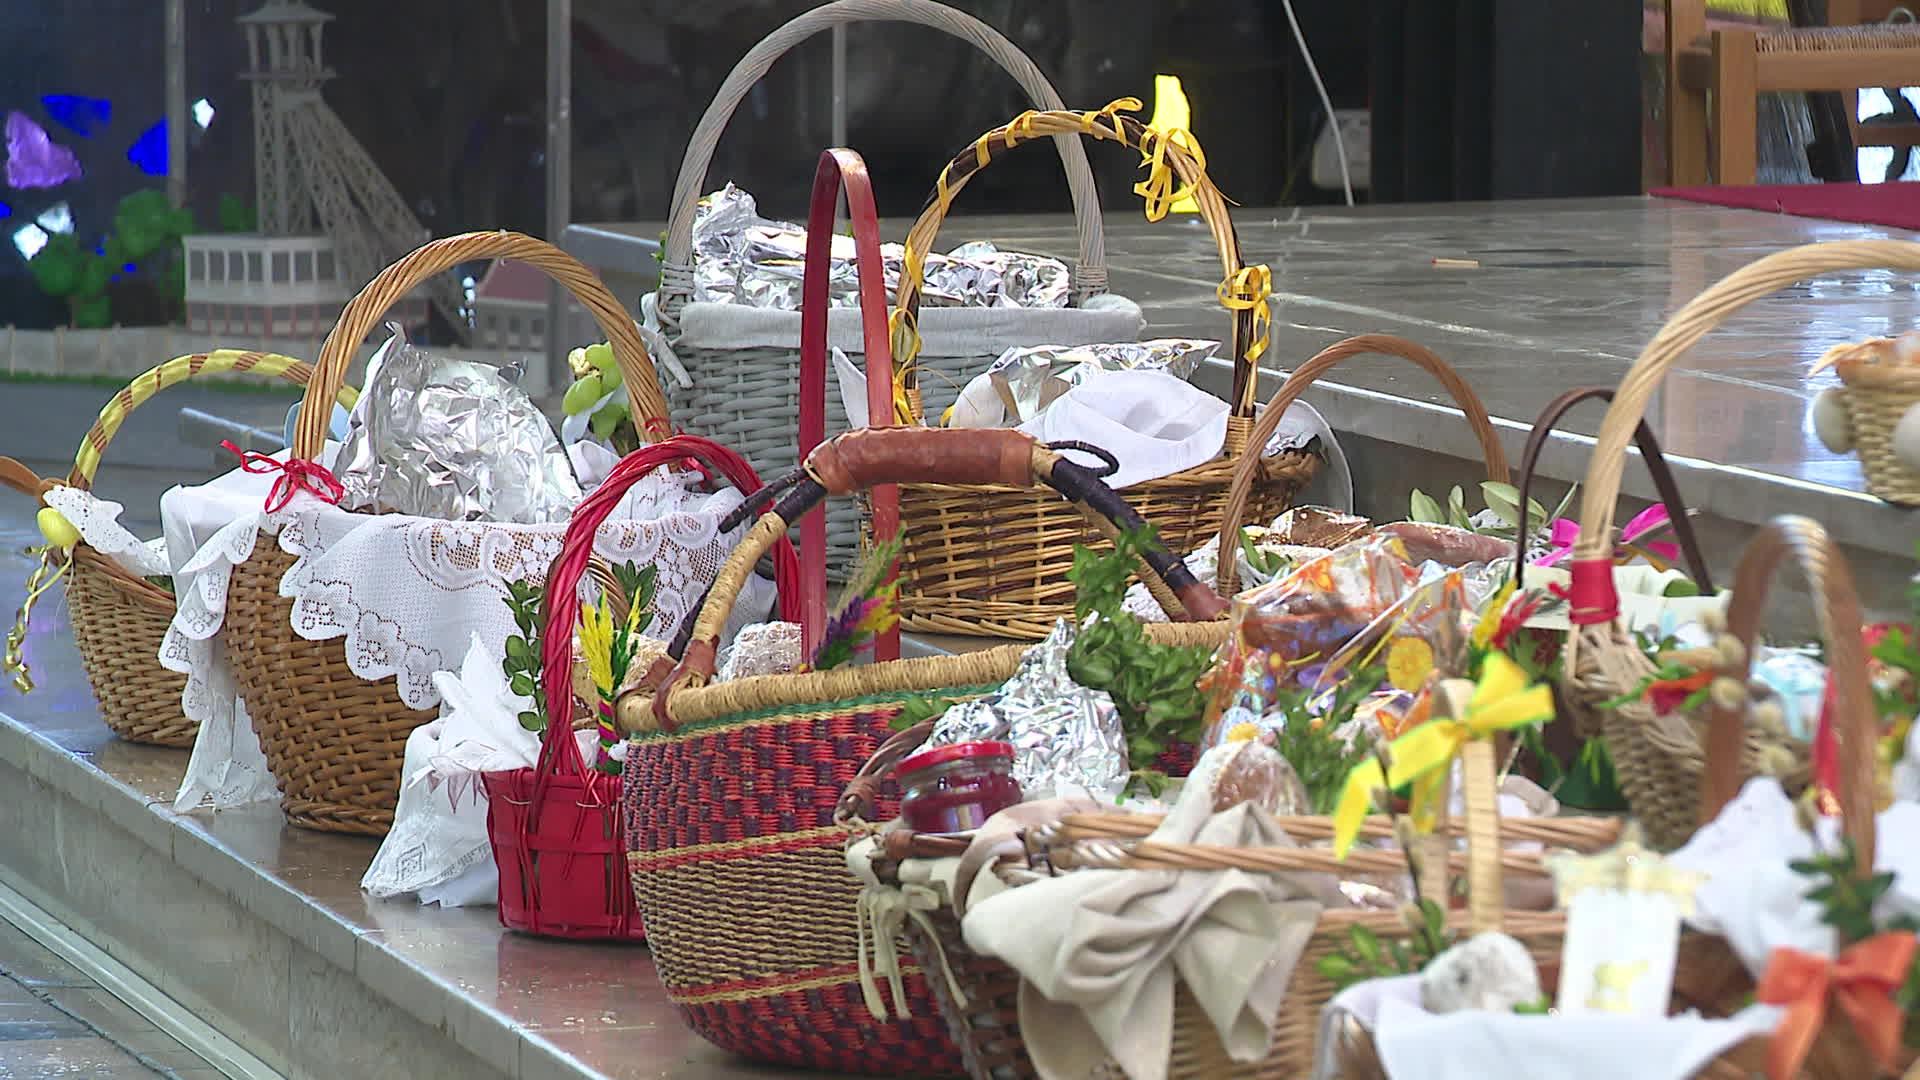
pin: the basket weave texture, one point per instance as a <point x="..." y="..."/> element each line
<point x="1876" y="397"/>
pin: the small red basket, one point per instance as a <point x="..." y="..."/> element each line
<point x="557" y="832"/>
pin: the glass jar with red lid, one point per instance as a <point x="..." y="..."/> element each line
<point x="956" y="788"/>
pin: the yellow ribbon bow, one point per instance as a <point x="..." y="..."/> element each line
<point x="1158" y="188"/>
<point x="1501" y="701"/>
<point x="1248" y="290"/>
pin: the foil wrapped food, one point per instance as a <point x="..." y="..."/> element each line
<point x="1027" y="380"/>
<point x="444" y="438"/>
<point x="742" y="258"/>
<point x="1066" y="738"/>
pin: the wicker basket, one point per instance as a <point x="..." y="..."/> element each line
<point x="987" y="1025"/>
<point x="119" y="619"/>
<point x="1660" y="757"/>
<point x="731" y="788"/>
<point x="748" y="398"/>
<point x="1240" y="503"/>
<point x="334" y="741"/>
<point x="1877" y="396"/>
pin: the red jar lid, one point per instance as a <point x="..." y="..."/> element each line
<point x="957" y="752"/>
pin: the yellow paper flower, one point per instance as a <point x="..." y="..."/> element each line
<point x="1490" y="616"/>
<point x="1409" y="663"/>
<point x="596" y="641"/>
<point x="1502" y="701"/>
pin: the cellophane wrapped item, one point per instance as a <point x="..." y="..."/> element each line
<point x="743" y="258"/>
<point x="438" y="437"/>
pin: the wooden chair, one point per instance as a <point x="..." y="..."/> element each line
<point x="1726" y="71"/>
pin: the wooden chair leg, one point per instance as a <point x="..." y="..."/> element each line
<point x="1686" y="103"/>
<point x="1736" y="101"/>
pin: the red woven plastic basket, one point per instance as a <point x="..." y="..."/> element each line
<point x="557" y="832"/>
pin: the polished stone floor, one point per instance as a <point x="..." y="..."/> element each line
<point x="56" y="1022"/>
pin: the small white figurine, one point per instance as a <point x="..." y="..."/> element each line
<point x="1489" y="971"/>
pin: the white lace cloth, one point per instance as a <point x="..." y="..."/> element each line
<point x="404" y="592"/>
<point x="98" y="521"/>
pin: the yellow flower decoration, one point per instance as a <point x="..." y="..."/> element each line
<point x="1245" y="731"/>
<point x="1490" y="616"/>
<point x="596" y="641"/>
<point x="1502" y="701"/>
<point x="1409" y="663"/>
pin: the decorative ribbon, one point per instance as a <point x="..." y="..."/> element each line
<point x="1248" y="290"/>
<point x="1590" y="596"/>
<point x="1158" y="188"/>
<point x="45" y="573"/>
<point x="1861" y="981"/>
<point x="1501" y="701"/>
<point x="882" y="913"/>
<point x="295" y="475"/>
<point x="1633" y="543"/>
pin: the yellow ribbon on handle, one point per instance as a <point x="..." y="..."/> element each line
<point x="1158" y="188"/>
<point x="1502" y="701"/>
<point x="1248" y="290"/>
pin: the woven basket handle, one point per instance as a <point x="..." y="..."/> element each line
<point x="365" y="310"/>
<point x="1836" y="606"/>
<point x="1090" y="275"/>
<point x="838" y="168"/>
<point x="1248" y="341"/>
<point x="1240" y="492"/>
<point x="1657" y="467"/>
<point x="860" y="460"/>
<point x="1594" y="601"/>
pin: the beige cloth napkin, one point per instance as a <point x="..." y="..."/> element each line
<point x="1099" y="950"/>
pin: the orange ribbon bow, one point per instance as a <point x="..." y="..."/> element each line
<point x="1862" y="981"/>
<point x="295" y="475"/>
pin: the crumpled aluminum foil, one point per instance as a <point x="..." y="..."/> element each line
<point x="770" y="648"/>
<point x="1066" y="738"/>
<point x="453" y="439"/>
<point x="742" y="258"/>
<point x="1030" y="379"/>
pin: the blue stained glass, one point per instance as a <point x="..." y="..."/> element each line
<point x="5" y="211"/>
<point x="130" y="268"/>
<point x="149" y="151"/>
<point x="77" y="113"/>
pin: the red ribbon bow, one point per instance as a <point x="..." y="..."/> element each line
<point x="1861" y="981"/>
<point x="295" y="475"/>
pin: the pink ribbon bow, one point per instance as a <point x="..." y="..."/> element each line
<point x="1564" y="533"/>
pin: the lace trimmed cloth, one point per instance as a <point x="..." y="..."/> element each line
<point x="98" y="522"/>
<point x="404" y="593"/>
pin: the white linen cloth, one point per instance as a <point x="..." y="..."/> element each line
<point x="1153" y="423"/>
<point x="404" y="593"/>
<point x="98" y="522"/>
<point x="1099" y="951"/>
<point x="1418" y="1045"/>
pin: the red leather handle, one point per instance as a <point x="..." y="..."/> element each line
<point x="875" y="457"/>
<point x="842" y="168"/>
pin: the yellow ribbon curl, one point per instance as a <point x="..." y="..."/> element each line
<point x="1248" y="290"/>
<point x="1501" y="701"/>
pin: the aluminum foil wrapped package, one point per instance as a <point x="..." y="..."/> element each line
<point x="1027" y="380"/>
<point x="1066" y="738"/>
<point x="438" y="437"/>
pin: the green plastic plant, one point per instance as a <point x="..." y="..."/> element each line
<point x="146" y="232"/>
<point x="1311" y="741"/>
<point x="1502" y="499"/>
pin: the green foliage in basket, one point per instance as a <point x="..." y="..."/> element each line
<point x="1154" y="686"/>
<point x="1502" y="499"/>
<point x="919" y="709"/>
<point x="1846" y="903"/>
<point x="146" y="235"/>
<point x="596" y="374"/>
<point x="522" y="660"/>
<point x="1364" y="956"/>
<point x="1311" y="741"/>
<point x="160" y="581"/>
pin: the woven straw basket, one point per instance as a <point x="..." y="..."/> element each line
<point x="987" y="1025"/>
<point x="120" y="619"/>
<point x="994" y="562"/>
<point x="1659" y="758"/>
<point x="1877" y="396"/>
<point x="748" y="398"/>
<point x="1240" y="503"/>
<point x="731" y="788"/>
<point x="334" y="741"/>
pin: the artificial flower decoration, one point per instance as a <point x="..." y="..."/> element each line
<point x="609" y="647"/>
<point x="1634" y="540"/>
<point x="1409" y="664"/>
<point x="1502" y="701"/>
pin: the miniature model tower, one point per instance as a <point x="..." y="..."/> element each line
<point x="329" y="220"/>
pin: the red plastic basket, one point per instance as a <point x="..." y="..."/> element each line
<point x="557" y="832"/>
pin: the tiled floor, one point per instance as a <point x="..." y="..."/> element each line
<point x="56" y="1022"/>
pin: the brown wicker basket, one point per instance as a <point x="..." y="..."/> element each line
<point x="986" y="1025"/>
<point x="1877" y="395"/>
<point x="334" y="741"/>
<point x="1659" y="758"/>
<point x="1240" y="493"/>
<point x="119" y="619"/>
<point x="993" y="561"/>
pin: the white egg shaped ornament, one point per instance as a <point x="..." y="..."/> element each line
<point x="1832" y="424"/>
<point x="1906" y="438"/>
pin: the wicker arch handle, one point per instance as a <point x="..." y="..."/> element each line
<point x="1836" y="606"/>
<point x="1657" y="467"/>
<point x="1240" y="493"/>
<point x="365" y="310"/>
<point x="1107" y="125"/>
<point x="1593" y="599"/>
<point x="868" y="457"/>
<point x="1090" y="275"/>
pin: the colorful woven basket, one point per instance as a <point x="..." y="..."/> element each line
<point x="119" y="619"/>
<point x="960" y="573"/>
<point x="334" y="741"/>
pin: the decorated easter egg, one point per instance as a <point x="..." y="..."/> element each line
<point x="57" y="529"/>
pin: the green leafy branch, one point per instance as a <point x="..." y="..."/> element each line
<point x="1503" y="499"/>
<point x="522" y="661"/>
<point x="1311" y="742"/>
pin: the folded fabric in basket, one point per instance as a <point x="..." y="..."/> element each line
<point x="1152" y="423"/>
